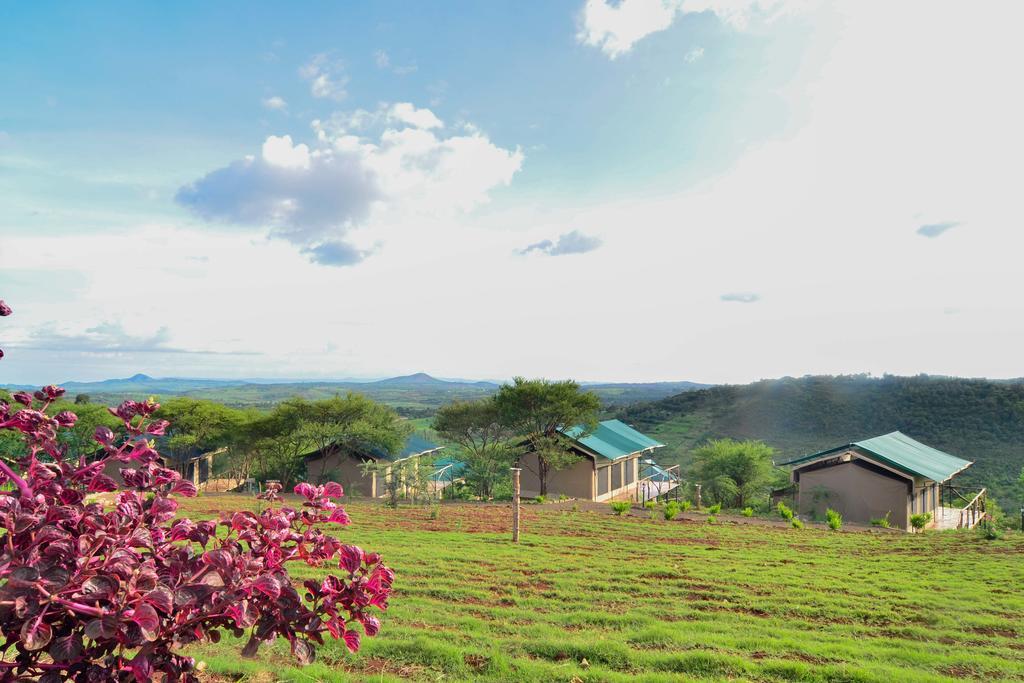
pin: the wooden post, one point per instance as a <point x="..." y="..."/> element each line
<point x="515" y="504"/>
<point x="697" y="503"/>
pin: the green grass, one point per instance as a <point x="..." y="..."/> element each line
<point x="651" y="600"/>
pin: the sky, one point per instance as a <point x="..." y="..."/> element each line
<point x="640" y="190"/>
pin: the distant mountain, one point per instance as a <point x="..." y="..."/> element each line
<point x="418" y="394"/>
<point x="418" y="379"/>
<point x="977" y="419"/>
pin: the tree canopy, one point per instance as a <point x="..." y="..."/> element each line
<point x="734" y="472"/>
<point x="536" y="409"/>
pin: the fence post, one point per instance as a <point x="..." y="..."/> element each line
<point x="515" y="504"/>
<point x="697" y="502"/>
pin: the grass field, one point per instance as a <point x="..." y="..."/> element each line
<point x="591" y="597"/>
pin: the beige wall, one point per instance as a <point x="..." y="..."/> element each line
<point x="858" y="493"/>
<point x="344" y="468"/>
<point x="576" y="481"/>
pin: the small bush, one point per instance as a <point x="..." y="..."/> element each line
<point x="797" y="524"/>
<point x="540" y="500"/>
<point x="671" y="510"/>
<point x="435" y="512"/>
<point x="715" y="509"/>
<point x="920" y="520"/>
<point x="784" y="511"/>
<point x="562" y="497"/>
<point x="650" y="504"/>
<point x="712" y="519"/>
<point x="620" y="507"/>
<point x="834" y="519"/>
<point x="748" y="512"/>
<point x="882" y="521"/>
<point x="685" y="505"/>
<point x="989" y="530"/>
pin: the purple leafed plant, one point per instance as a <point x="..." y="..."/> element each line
<point x="111" y="593"/>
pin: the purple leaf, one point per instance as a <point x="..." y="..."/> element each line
<point x="351" y="558"/>
<point x="307" y="491"/>
<point x="35" y="635"/>
<point x="352" y="640"/>
<point x="66" y="648"/>
<point x="147" y="619"/>
<point x="268" y="585"/>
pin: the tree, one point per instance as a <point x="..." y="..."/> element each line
<point x="197" y="424"/>
<point x="272" y="445"/>
<point x="476" y="427"/>
<point x="734" y="472"/>
<point x="78" y="438"/>
<point x="536" y="409"/>
<point x="82" y="398"/>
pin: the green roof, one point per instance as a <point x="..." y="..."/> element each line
<point x="903" y="453"/>
<point x="612" y="439"/>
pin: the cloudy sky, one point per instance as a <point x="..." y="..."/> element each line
<point x="709" y="190"/>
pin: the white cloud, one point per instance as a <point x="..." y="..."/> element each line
<point x="326" y="77"/>
<point x="349" y="182"/>
<point x="693" y="55"/>
<point x="574" y="242"/>
<point x="279" y="151"/>
<point x="406" y="112"/>
<point x="935" y="229"/>
<point x="741" y="297"/>
<point x="383" y="61"/>
<point x="275" y="103"/>
<point x="615" y="28"/>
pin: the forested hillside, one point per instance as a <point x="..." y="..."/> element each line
<point x="980" y="420"/>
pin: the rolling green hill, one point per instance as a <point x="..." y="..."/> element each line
<point x="417" y="395"/>
<point x="980" y="420"/>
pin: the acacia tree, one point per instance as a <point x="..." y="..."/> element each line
<point x="110" y="593"/>
<point x="535" y="410"/>
<point x="197" y="424"/>
<point x="476" y="427"/>
<point x="734" y="472"/>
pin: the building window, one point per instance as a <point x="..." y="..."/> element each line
<point x="630" y="466"/>
<point x="616" y="475"/>
<point x="602" y="481"/>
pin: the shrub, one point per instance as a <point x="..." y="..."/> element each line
<point x="686" y="505"/>
<point x="712" y="519"/>
<point x="435" y="511"/>
<point x="797" y="524"/>
<point x="540" y="500"/>
<point x="671" y="510"/>
<point x="562" y="497"/>
<point x="988" y="529"/>
<point x="620" y="507"/>
<point x="92" y="593"/>
<point x="650" y="505"/>
<point x="748" y="512"/>
<point x="882" y="521"/>
<point x="784" y="511"/>
<point x="834" y="519"/>
<point x="715" y="509"/>
<point x="920" y="520"/>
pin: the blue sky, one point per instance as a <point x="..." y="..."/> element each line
<point x="363" y="172"/>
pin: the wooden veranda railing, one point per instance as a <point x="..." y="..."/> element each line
<point x="649" y="489"/>
<point x="973" y="512"/>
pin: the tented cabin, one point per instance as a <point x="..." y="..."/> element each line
<point x="608" y="466"/>
<point x="344" y="465"/>
<point x="890" y="476"/>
